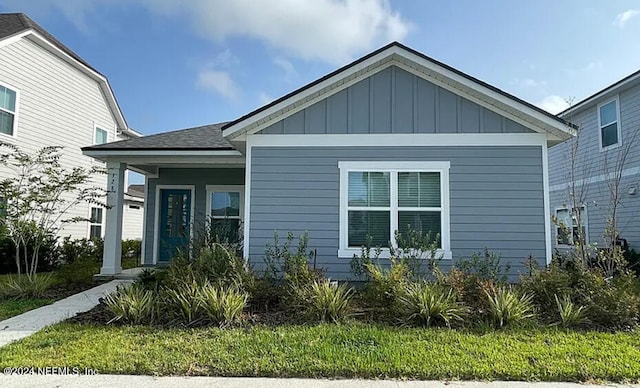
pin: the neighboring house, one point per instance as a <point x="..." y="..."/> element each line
<point x="133" y="218"/>
<point x="50" y="96"/>
<point x="392" y="139"/>
<point x="609" y="128"/>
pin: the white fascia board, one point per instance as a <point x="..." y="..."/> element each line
<point x="548" y="121"/>
<point x="104" y="83"/>
<point x="399" y="140"/>
<point x="609" y="91"/>
<point x="232" y="132"/>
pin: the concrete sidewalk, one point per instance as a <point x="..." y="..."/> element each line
<point x="100" y="381"/>
<point x="24" y="325"/>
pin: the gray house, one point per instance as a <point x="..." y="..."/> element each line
<point x="392" y="140"/>
<point x="607" y="144"/>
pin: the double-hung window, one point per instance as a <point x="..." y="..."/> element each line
<point x="8" y="104"/>
<point x="571" y="222"/>
<point x="225" y="208"/>
<point x="95" y="223"/>
<point x="609" y="124"/>
<point x="379" y="198"/>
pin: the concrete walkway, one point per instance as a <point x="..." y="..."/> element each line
<point x="24" y="325"/>
<point x="243" y="382"/>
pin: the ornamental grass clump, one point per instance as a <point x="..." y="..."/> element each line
<point x="131" y="304"/>
<point x="222" y="306"/>
<point x="183" y="302"/>
<point x="507" y="307"/>
<point x="430" y="304"/>
<point x="570" y="314"/>
<point x="27" y="286"/>
<point x="325" y="300"/>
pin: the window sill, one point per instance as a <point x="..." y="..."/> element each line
<point x="611" y="147"/>
<point x="348" y="253"/>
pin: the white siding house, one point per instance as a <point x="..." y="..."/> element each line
<point x="51" y="97"/>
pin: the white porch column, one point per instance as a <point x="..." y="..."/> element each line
<point x="111" y="258"/>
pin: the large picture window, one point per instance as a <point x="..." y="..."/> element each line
<point x="378" y="198"/>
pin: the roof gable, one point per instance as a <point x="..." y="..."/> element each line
<point x="394" y="100"/>
<point x="396" y="54"/>
<point x="15" y="26"/>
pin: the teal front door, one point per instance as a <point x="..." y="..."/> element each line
<point x="175" y="223"/>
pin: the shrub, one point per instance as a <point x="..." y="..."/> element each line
<point x="570" y="314"/>
<point x="507" y="307"/>
<point x="78" y="271"/>
<point x="325" y="300"/>
<point x="609" y="302"/>
<point x="427" y="304"/>
<point x="612" y="302"/>
<point x="48" y="253"/>
<point x="485" y="266"/>
<point x="217" y="264"/>
<point x="289" y="263"/>
<point x="27" y="287"/>
<point x="220" y="305"/>
<point x="386" y="284"/>
<point x="131" y="304"/>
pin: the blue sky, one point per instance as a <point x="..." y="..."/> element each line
<point x="181" y="63"/>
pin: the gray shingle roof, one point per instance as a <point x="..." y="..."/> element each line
<point x="206" y="137"/>
<point x="15" y="23"/>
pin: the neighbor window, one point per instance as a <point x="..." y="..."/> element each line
<point x="8" y="99"/>
<point x="609" y="124"/>
<point x="95" y="223"/>
<point x="570" y="222"/>
<point x="379" y="198"/>
<point x="101" y="136"/>
<point x="225" y="211"/>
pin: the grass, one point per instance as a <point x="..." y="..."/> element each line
<point x="350" y="350"/>
<point x="10" y="308"/>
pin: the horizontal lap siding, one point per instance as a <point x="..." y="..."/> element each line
<point x="496" y="198"/>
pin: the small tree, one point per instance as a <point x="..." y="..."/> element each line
<point x="39" y="193"/>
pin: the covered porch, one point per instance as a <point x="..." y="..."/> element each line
<point x="192" y="177"/>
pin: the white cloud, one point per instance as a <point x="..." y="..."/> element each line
<point x="531" y="83"/>
<point x="329" y="30"/>
<point x="553" y="104"/>
<point x="219" y="82"/>
<point x="287" y="67"/>
<point x="264" y="98"/>
<point x="623" y="18"/>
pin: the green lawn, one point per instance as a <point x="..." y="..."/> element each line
<point x="10" y="308"/>
<point x="352" y="350"/>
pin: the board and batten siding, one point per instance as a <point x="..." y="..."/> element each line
<point x="58" y="105"/>
<point x="198" y="177"/>
<point x="496" y="196"/>
<point x="394" y="101"/>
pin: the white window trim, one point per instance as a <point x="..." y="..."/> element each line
<point x="156" y="223"/>
<point x="584" y="218"/>
<point x="95" y="131"/>
<point x="102" y="222"/>
<point x="224" y="189"/>
<point x="442" y="167"/>
<point x="14" y="134"/>
<point x="619" y="124"/>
